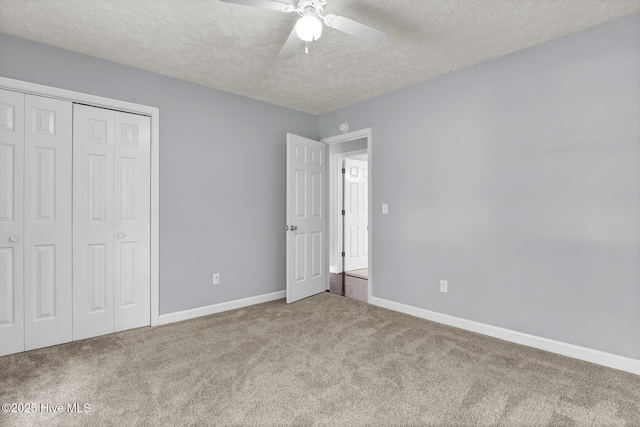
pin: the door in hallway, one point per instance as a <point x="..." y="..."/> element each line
<point x="356" y="202"/>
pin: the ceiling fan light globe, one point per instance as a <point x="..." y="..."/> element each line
<point x="309" y="28"/>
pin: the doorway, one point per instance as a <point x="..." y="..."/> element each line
<point x="350" y="272"/>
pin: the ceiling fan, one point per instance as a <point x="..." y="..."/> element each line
<point x="309" y="26"/>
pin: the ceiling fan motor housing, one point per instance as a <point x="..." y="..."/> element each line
<point x="307" y="7"/>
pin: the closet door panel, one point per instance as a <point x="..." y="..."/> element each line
<point x="47" y="217"/>
<point x="11" y="222"/>
<point x="93" y="145"/>
<point x="132" y="203"/>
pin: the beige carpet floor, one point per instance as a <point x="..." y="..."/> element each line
<point x="326" y="360"/>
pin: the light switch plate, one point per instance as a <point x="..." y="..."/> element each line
<point x="385" y="209"/>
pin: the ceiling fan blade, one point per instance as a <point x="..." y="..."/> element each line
<point x="263" y="4"/>
<point x="290" y="46"/>
<point x="354" y="28"/>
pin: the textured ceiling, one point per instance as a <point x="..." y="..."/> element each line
<point x="234" y="48"/>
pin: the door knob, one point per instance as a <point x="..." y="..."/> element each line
<point x="294" y="228"/>
<point x="14" y="238"/>
<point x="121" y="235"/>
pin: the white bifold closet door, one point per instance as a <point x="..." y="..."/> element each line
<point x="111" y="221"/>
<point x="47" y="222"/>
<point x="35" y="222"/>
<point x="11" y="222"/>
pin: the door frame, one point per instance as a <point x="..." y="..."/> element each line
<point x="345" y="137"/>
<point x="128" y="107"/>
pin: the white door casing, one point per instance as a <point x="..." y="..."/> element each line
<point x="306" y="218"/>
<point x="11" y="222"/>
<point x="132" y="214"/>
<point x="47" y="222"/>
<point x="356" y="214"/>
<point x="93" y="151"/>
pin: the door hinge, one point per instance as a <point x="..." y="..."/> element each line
<point x="344" y="170"/>
<point x="344" y="212"/>
<point x="344" y="254"/>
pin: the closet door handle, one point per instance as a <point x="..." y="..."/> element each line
<point x="14" y="238"/>
<point x="121" y="235"/>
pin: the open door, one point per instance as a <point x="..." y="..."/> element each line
<point x="306" y="225"/>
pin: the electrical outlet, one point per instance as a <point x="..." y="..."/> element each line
<point x="216" y="278"/>
<point x="443" y="286"/>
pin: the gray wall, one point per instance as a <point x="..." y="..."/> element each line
<point x="347" y="146"/>
<point x="222" y="172"/>
<point x="518" y="181"/>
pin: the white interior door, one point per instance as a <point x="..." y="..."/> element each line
<point x="306" y="220"/>
<point x="132" y="217"/>
<point x="356" y="235"/>
<point x="11" y="222"/>
<point x="47" y="222"/>
<point x="93" y="225"/>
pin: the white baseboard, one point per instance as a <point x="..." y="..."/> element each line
<point x="219" y="308"/>
<point x="594" y="356"/>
